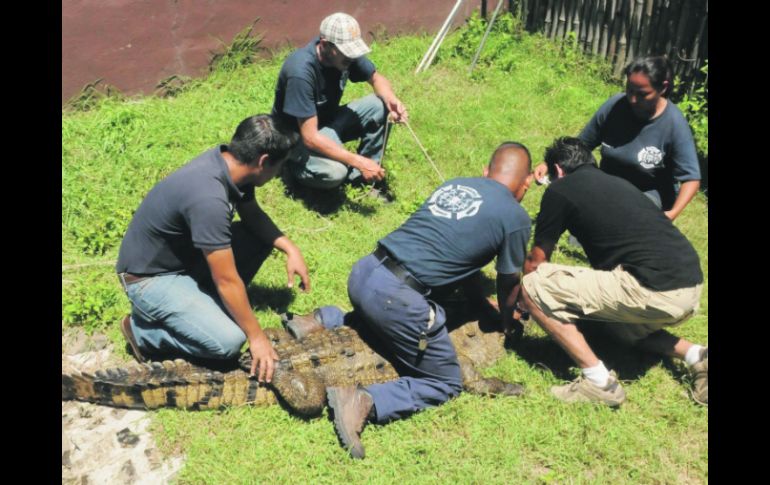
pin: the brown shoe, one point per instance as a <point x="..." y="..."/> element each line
<point x="125" y="327"/>
<point x="300" y="326"/>
<point x="700" y="374"/>
<point x="351" y="407"/>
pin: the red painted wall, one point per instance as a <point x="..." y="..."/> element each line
<point x="134" y="44"/>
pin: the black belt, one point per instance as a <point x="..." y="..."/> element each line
<point x="129" y="279"/>
<point x="399" y="271"/>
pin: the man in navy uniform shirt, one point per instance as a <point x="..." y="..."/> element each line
<point x="185" y="265"/>
<point x="307" y="96"/>
<point x="462" y="226"/>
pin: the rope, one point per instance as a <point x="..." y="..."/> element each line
<point x="424" y="151"/>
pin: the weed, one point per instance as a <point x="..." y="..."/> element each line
<point x="240" y="52"/>
<point x="695" y="108"/>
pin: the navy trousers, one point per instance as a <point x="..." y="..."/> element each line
<point x="398" y="315"/>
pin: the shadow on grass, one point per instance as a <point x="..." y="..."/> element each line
<point x="629" y="362"/>
<point x="324" y="202"/>
<point x="272" y="298"/>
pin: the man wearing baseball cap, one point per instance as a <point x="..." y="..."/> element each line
<point x="307" y="96"/>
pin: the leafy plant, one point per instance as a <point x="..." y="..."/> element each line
<point x="695" y="108"/>
<point x="97" y="239"/>
<point x="92" y="303"/>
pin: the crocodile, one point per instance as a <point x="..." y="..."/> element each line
<point x="305" y="368"/>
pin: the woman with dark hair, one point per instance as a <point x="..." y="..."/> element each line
<point x="645" y="139"/>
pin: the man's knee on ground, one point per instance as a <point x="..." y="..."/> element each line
<point x="456" y="385"/>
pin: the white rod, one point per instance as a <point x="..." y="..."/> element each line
<point x="438" y="39"/>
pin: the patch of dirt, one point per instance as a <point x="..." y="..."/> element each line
<point x="101" y="444"/>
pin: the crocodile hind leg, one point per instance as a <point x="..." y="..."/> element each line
<point x="475" y="383"/>
<point x="304" y="393"/>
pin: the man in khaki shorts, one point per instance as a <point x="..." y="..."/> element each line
<point x="644" y="276"/>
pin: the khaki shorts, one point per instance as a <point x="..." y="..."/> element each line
<point x="615" y="298"/>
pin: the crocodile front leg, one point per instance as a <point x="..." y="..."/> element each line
<point x="304" y="393"/>
<point x="475" y="383"/>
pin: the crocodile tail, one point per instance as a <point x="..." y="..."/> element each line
<point x="164" y="384"/>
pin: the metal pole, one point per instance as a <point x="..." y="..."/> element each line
<point x="424" y="63"/>
<point x="435" y="51"/>
<point x="486" y="34"/>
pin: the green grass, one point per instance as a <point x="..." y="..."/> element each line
<point x="524" y="88"/>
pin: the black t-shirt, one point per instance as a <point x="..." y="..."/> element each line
<point x="190" y="210"/>
<point x="463" y="225"/>
<point x="617" y="225"/>
<point x="306" y="88"/>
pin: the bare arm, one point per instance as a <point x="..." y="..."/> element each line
<point x="687" y="191"/>
<point x="233" y="293"/>
<point x="317" y="142"/>
<point x="295" y="263"/>
<point x="384" y="90"/>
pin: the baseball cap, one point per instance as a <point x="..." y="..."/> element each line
<point x="343" y="31"/>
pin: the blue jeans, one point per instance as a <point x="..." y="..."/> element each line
<point x="397" y="315"/>
<point x="362" y="119"/>
<point x="182" y="314"/>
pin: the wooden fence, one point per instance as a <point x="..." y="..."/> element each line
<point x="621" y="30"/>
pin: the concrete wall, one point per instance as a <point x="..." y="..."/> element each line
<point x="134" y="44"/>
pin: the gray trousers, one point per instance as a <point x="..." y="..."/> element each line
<point x="363" y="119"/>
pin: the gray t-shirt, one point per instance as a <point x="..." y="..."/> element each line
<point x="190" y="210"/>
<point x="306" y="88"/>
<point x="654" y="155"/>
<point x="463" y="225"/>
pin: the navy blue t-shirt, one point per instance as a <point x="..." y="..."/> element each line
<point x="653" y="154"/>
<point x="190" y="210"/>
<point x="305" y="88"/>
<point x="463" y="225"/>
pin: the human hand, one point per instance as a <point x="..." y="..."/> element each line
<point x="541" y="174"/>
<point x="397" y="110"/>
<point x="263" y="357"/>
<point x="370" y="170"/>
<point x="295" y="266"/>
<point x="513" y="331"/>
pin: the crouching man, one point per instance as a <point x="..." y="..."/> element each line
<point x="645" y="275"/>
<point x="185" y="265"/>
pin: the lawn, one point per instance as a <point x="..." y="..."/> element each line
<point x="525" y="88"/>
